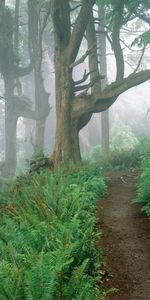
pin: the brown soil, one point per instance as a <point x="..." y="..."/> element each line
<point x="125" y="239"/>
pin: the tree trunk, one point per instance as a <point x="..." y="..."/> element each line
<point x="105" y="132"/>
<point x="63" y="144"/>
<point x="76" y="145"/>
<point x="10" y="129"/>
<point x="39" y="136"/>
<point x="40" y="99"/>
<point x="103" y="70"/>
<point x="10" y="143"/>
<point x="41" y="96"/>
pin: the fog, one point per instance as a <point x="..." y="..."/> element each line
<point x="132" y="108"/>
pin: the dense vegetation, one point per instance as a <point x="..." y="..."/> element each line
<point x="144" y="184"/>
<point x="48" y="234"/>
<point x="121" y="156"/>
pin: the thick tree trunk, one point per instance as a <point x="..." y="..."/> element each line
<point x="63" y="144"/>
<point x="76" y="154"/>
<point x="72" y="108"/>
<point x="67" y="139"/>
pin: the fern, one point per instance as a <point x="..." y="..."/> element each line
<point x="47" y="236"/>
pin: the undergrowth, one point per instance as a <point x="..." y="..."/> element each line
<point x="143" y="190"/>
<point x="48" y="236"/>
<point x="120" y="157"/>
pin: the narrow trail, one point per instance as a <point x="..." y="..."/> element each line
<point x="125" y="239"/>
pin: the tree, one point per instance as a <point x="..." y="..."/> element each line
<point x="37" y="25"/>
<point x="75" y="110"/>
<point x="17" y="104"/>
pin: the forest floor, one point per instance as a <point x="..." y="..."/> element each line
<point x="125" y="239"/>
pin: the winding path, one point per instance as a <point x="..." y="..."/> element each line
<point x="126" y="239"/>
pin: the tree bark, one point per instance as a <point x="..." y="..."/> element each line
<point x="11" y="119"/>
<point x="39" y="136"/>
<point x="105" y="133"/>
<point x="41" y="97"/>
<point x="63" y="145"/>
<point x="74" y="111"/>
<point x="103" y="70"/>
<point x="10" y="142"/>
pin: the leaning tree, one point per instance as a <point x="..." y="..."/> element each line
<point x="74" y="103"/>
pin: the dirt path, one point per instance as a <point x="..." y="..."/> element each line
<point x="126" y="239"/>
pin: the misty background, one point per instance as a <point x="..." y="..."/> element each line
<point x="130" y="113"/>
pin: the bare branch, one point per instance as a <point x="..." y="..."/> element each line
<point x="82" y="58"/>
<point x="129" y="64"/>
<point x="79" y="29"/>
<point x="85" y="86"/>
<point x="93" y="58"/>
<point x="84" y="78"/>
<point x="74" y="8"/>
<point x="97" y="103"/>
<point x="139" y="62"/>
<point x="23" y="106"/>
<point x="116" y="42"/>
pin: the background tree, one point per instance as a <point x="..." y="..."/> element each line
<point x="74" y="110"/>
<point x="103" y="68"/>
<point x="17" y="104"/>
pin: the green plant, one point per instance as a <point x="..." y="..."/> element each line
<point x="144" y="186"/>
<point x="122" y="137"/>
<point x="120" y="158"/>
<point x="47" y="236"/>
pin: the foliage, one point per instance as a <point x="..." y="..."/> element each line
<point x="125" y="149"/>
<point x="143" y="184"/>
<point x="47" y="236"/>
<point x="117" y="159"/>
<point x="122" y="137"/>
<point x="142" y="40"/>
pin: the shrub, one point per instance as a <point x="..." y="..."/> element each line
<point x="144" y="185"/>
<point x="120" y="158"/>
<point x="121" y="137"/>
<point x="47" y="236"/>
<point x="117" y="159"/>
